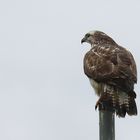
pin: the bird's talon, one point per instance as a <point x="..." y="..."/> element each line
<point x="97" y="104"/>
<point x="96" y="107"/>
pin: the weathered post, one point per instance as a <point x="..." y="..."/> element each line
<point x="106" y="125"/>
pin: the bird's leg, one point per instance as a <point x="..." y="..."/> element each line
<point x="102" y="97"/>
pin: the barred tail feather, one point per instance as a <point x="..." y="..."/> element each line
<point x="119" y="102"/>
<point x="132" y="110"/>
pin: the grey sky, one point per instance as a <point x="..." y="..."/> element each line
<point x="44" y="94"/>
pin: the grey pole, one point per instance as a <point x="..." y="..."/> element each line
<point x="106" y="125"/>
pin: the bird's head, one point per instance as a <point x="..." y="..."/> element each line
<point x="97" y="37"/>
<point x="89" y="37"/>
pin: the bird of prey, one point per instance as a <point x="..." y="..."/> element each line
<point x="112" y="72"/>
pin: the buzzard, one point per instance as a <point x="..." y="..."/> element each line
<point x="112" y="72"/>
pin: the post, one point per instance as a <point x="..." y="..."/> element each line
<point x="106" y="125"/>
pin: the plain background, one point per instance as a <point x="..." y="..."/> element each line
<point x="44" y="94"/>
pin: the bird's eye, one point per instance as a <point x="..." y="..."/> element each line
<point x="87" y="35"/>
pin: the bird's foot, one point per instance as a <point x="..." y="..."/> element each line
<point x="100" y="100"/>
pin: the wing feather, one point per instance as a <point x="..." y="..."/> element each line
<point x="113" y="65"/>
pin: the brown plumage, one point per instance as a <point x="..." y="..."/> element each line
<point x="112" y="72"/>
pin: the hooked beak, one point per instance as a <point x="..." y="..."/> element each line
<point x="83" y="40"/>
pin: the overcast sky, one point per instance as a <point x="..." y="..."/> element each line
<point x="44" y="94"/>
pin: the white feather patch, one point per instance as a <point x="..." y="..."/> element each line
<point x="95" y="85"/>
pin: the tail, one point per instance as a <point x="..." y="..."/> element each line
<point x="119" y="102"/>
